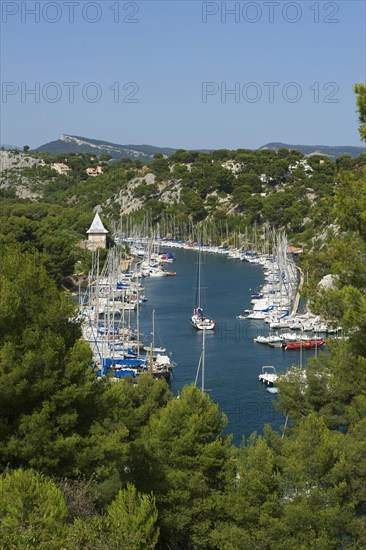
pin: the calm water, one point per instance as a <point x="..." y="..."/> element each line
<point x="233" y="361"/>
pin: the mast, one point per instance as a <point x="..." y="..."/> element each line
<point x="201" y="363"/>
<point x="151" y="359"/>
<point x="197" y="303"/>
<point x="301" y="347"/>
<point x="123" y="314"/>
<point x="153" y="330"/>
<point x="138" y="316"/>
<point x="199" y="279"/>
<point x="203" y="360"/>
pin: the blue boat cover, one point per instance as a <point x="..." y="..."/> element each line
<point x="125" y="372"/>
<point x="132" y="363"/>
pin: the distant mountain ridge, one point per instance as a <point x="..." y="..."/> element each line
<point x="78" y="144"/>
<point x="327" y="150"/>
<point x="9" y="147"/>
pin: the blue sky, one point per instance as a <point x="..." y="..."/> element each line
<point x="161" y="72"/>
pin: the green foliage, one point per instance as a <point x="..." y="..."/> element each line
<point x="88" y="534"/>
<point x="185" y="456"/>
<point x="187" y="157"/>
<point x="360" y="90"/>
<point x="155" y="208"/>
<point x="131" y="520"/>
<point x="315" y="511"/>
<point x="146" y="191"/>
<point x="351" y="201"/>
<point x="46" y="383"/>
<point x="160" y="167"/>
<point x="250" y="181"/>
<point x="51" y="230"/>
<point x="32" y="511"/>
<point x="34" y="515"/>
<point x="250" y="500"/>
<point x="194" y="204"/>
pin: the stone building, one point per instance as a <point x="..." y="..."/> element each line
<point x="61" y="168"/>
<point x="93" y="172"/>
<point x="97" y="234"/>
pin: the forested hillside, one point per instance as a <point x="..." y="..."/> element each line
<point x="87" y="463"/>
<point x="235" y="188"/>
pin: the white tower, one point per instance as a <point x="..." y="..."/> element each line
<point x="97" y="234"/>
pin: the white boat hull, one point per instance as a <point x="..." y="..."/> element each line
<point x="202" y="323"/>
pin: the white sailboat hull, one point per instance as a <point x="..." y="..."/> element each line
<point x="202" y="323"/>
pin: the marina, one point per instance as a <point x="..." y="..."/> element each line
<point x="143" y="323"/>
<point x="233" y="361"/>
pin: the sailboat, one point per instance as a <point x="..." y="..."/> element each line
<point x="198" y="319"/>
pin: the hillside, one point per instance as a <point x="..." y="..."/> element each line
<point x="15" y="167"/>
<point x="145" y="153"/>
<point x="327" y="150"/>
<point x="234" y="189"/>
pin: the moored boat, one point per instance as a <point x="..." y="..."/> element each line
<point x="201" y="322"/>
<point x="304" y="344"/>
<point x="268" y="375"/>
<point x="198" y="319"/>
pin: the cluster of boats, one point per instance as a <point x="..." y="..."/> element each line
<point x="151" y="265"/>
<point x="290" y="341"/>
<point x="275" y="304"/>
<point x="274" y="301"/>
<point x="144" y="247"/>
<point x="106" y="310"/>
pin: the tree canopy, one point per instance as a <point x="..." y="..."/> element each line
<point x="90" y="463"/>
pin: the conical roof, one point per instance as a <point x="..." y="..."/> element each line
<point x="97" y="226"/>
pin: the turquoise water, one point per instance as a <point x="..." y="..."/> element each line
<point x="233" y="361"/>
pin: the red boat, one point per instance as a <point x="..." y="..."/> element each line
<point x="171" y="273"/>
<point x="305" y="344"/>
